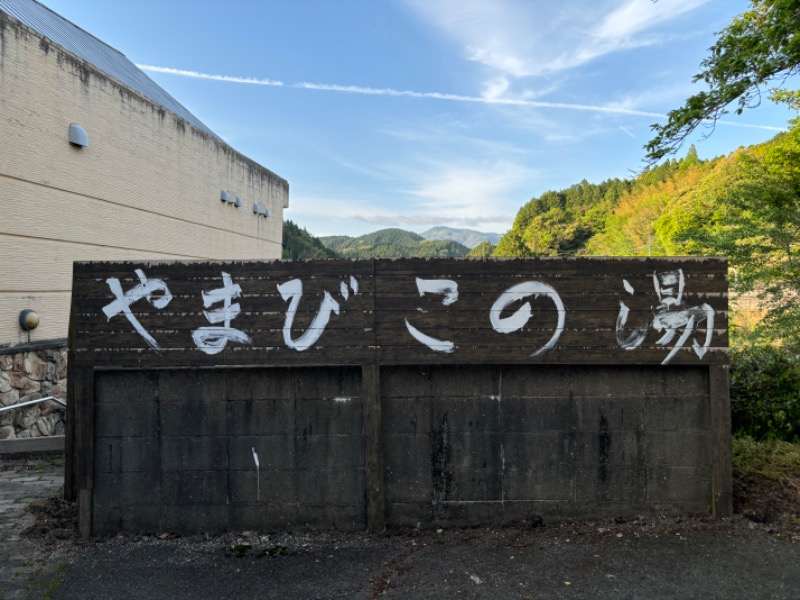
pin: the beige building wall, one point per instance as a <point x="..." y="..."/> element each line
<point x="147" y="186"/>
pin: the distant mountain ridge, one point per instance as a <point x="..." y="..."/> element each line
<point x="392" y="243"/>
<point x="466" y="237"/>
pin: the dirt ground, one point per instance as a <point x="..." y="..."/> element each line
<point x="776" y="504"/>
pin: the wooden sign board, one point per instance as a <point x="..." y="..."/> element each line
<point x="403" y="311"/>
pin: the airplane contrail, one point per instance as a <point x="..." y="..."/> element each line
<point x="370" y="91"/>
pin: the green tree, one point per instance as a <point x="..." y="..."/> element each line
<point x="760" y="231"/>
<point x="299" y="244"/>
<point x="482" y="250"/>
<point x="760" y="48"/>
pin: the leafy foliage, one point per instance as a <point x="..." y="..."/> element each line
<point x="745" y="206"/>
<point x="299" y="244"/>
<point x="760" y="47"/>
<point x="765" y="393"/>
<point x="766" y="482"/>
<point x="760" y="231"/>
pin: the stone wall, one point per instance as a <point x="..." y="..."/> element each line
<point x="30" y="374"/>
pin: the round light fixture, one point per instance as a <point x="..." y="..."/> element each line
<point x="28" y="319"/>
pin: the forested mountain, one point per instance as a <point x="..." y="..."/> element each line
<point x="466" y="237"/>
<point x="299" y="244"/>
<point x="392" y="243"/>
<point x="558" y="223"/>
<point x="617" y="216"/>
<point x="482" y="250"/>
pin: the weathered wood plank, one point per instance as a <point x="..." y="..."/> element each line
<point x="597" y="355"/>
<point x="85" y="513"/>
<point x="552" y="265"/>
<point x="70" y="459"/>
<point x="373" y="449"/>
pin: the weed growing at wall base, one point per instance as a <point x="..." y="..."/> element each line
<point x="767" y="481"/>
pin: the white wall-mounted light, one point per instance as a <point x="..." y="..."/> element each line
<point x="223" y="195"/>
<point x="78" y="136"/>
<point x="238" y="202"/>
<point x="28" y="319"/>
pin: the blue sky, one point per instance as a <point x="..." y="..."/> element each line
<point x="416" y="113"/>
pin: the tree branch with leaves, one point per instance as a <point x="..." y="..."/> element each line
<point x="758" y="50"/>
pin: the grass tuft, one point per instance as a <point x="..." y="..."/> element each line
<point x="767" y="461"/>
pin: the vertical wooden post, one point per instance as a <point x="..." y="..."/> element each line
<point x="70" y="487"/>
<point x="721" y="460"/>
<point x="83" y="445"/>
<point x="85" y="513"/>
<point x="70" y="490"/>
<point x="373" y="450"/>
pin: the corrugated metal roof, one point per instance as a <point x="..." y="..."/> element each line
<point x="83" y="44"/>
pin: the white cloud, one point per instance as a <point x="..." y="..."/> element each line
<point x="523" y="39"/>
<point x="466" y="195"/>
<point x="636" y="16"/>
<point x="485" y="221"/>
<point x="474" y="194"/>
<point x="323" y="214"/>
<point x="664" y="95"/>
<point x="495" y="88"/>
<point x="469" y="189"/>
<point x="746" y="125"/>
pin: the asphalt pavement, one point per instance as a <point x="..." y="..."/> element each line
<point x="650" y="558"/>
<point x="23" y="479"/>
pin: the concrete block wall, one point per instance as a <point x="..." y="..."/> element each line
<point x="461" y="445"/>
<point x="174" y="450"/>
<point x="470" y="445"/>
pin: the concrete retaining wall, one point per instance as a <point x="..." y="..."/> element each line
<point x="473" y="445"/>
<point x="461" y="445"/>
<point x="182" y="456"/>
